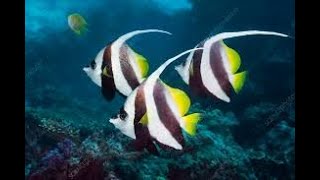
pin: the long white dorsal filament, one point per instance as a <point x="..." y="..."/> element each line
<point x="155" y="75"/>
<point x="129" y="35"/>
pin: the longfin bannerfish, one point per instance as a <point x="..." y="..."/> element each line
<point x="213" y="70"/>
<point x="119" y="68"/>
<point x="159" y="110"/>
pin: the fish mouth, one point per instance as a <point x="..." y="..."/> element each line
<point x="112" y="121"/>
<point x="85" y="69"/>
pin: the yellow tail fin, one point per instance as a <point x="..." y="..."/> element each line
<point x="238" y="81"/>
<point x="191" y="121"/>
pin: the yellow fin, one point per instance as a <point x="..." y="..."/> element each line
<point x="181" y="99"/>
<point x="238" y="81"/>
<point x="233" y="58"/>
<point x="190" y="122"/>
<point x="106" y="72"/>
<point x="142" y="64"/>
<point x="144" y="119"/>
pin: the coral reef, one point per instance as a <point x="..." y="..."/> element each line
<point x="64" y="148"/>
<point x="276" y="153"/>
<point x="67" y="161"/>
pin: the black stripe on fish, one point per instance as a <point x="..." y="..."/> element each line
<point x="106" y="60"/>
<point x="126" y="67"/>
<point x="218" y="70"/>
<point x="140" y="104"/>
<point x="143" y="138"/>
<point x="108" y="87"/>
<point x="195" y="81"/>
<point x="165" y="113"/>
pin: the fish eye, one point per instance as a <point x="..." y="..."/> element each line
<point x="93" y="64"/>
<point x="123" y="114"/>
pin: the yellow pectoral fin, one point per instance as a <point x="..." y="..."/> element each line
<point x="181" y="99"/>
<point x="106" y="72"/>
<point x="233" y="58"/>
<point x="238" y="81"/>
<point x="144" y="119"/>
<point x="142" y="64"/>
<point x="191" y="122"/>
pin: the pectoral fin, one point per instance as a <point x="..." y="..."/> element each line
<point x="106" y="72"/>
<point x="144" y="119"/>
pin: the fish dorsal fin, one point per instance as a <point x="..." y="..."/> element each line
<point x="144" y="119"/>
<point x="180" y="98"/>
<point x="233" y="58"/>
<point x="155" y="75"/>
<point x="185" y="70"/>
<point x="142" y="64"/>
<point x="120" y="41"/>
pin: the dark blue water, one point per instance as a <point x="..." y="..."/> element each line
<point x="250" y="138"/>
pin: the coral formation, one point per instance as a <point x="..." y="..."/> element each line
<point x="214" y="153"/>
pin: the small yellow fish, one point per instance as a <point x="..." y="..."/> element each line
<point x="77" y="23"/>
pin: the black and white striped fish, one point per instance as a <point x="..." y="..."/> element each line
<point x="213" y="70"/>
<point x="119" y="68"/>
<point x="157" y="112"/>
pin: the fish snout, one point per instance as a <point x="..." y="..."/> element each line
<point x="112" y="121"/>
<point x="86" y="69"/>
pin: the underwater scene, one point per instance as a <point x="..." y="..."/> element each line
<point x="159" y="89"/>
